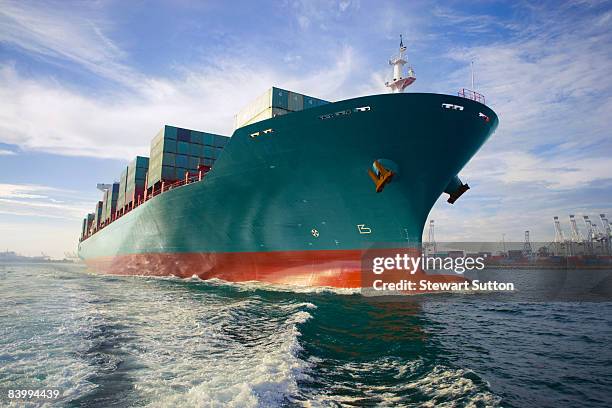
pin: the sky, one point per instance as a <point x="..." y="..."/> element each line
<point x="84" y="86"/>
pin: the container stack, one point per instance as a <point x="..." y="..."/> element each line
<point x="97" y="215"/>
<point x="87" y="225"/>
<point x="272" y="103"/>
<point x="121" y="197"/>
<point x="104" y="202"/>
<point x="176" y="151"/>
<point x="110" y="206"/>
<point x="135" y="181"/>
<point x="84" y="228"/>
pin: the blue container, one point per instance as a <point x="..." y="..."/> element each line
<point x="183" y="135"/>
<point x="182" y="161"/>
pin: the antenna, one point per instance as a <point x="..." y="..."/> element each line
<point x="472" y="71"/>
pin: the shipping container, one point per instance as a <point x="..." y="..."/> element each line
<point x="296" y="102"/>
<point x="275" y="98"/>
<point x="182" y="148"/>
<point x="137" y="175"/>
<point x="83" y="227"/>
<point x="197" y="137"/>
<point x="104" y="203"/>
<point x="111" y="195"/>
<point x="280" y="98"/>
<point x="171" y="158"/>
<point x="183" y="135"/>
<point x="122" y="187"/>
<point x="194" y="162"/>
<point x="195" y="150"/>
<point x="182" y="160"/>
<point x="90" y="222"/>
<point x="97" y="215"/>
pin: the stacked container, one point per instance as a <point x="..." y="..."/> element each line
<point x="104" y="204"/>
<point x="121" y="198"/>
<point x="90" y="221"/>
<point x="111" y="195"/>
<point x="176" y="151"/>
<point x="84" y="228"/>
<point x="97" y="215"/>
<point x="275" y="102"/>
<point x="136" y="177"/>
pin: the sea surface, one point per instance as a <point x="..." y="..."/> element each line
<point x="107" y="341"/>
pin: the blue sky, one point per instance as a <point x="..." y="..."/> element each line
<point x="84" y="86"/>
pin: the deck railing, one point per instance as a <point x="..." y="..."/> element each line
<point x="188" y="179"/>
<point x="473" y="95"/>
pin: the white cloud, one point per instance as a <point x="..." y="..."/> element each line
<point x="551" y="86"/>
<point x="44" y="115"/>
<point x="74" y="33"/>
<point x="38" y="201"/>
<point x="4" y="152"/>
<point x="557" y="172"/>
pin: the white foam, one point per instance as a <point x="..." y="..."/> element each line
<point x="214" y="352"/>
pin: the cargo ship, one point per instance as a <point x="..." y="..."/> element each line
<point x="299" y="194"/>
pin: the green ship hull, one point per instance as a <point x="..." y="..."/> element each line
<point x="291" y="199"/>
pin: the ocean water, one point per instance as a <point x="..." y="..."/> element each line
<point x="132" y="341"/>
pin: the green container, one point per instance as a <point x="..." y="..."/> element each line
<point x="280" y="98"/>
<point x="197" y="137"/>
<point x="169" y="159"/>
<point x="208" y="152"/>
<point x="296" y="102"/>
<point x="170" y="132"/>
<point x="194" y="149"/>
<point x="141" y="172"/>
<point x="169" y="146"/>
<point x="220" y="141"/>
<point x="183" y="148"/>
<point x="209" y="139"/>
<point x="182" y="161"/>
<point x="141" y="162"/>
<point x="180" y="172"/>
<point x="193" y="163"/>
<point x="168" y="173"/>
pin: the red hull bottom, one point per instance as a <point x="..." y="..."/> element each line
<point x="330" y="268"/>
